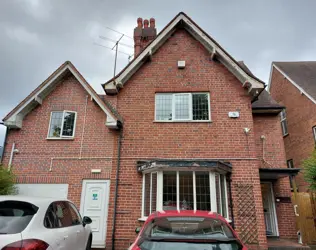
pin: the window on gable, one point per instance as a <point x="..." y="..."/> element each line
<point x="62" y="124"/>
<point x="284" y="123"/>
<point x="182" y="107"/>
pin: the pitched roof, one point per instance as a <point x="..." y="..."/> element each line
<point x="302" y="74"/>
<point x="249" y="81"/>
<point x="264" y="100"/>
<point x="15" y="118"/>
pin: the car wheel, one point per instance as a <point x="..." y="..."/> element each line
<point x="89" y="243"/>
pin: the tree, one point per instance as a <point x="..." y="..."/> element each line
<point x="7" y="183"/>
<point x="309" y="166"/>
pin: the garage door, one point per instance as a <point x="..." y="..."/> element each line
<point x="44" y="190"/>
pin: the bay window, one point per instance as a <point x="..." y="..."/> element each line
<point x="182" y="107"/>
<point x="184" y="190"/>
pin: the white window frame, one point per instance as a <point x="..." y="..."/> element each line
<point x="150" y="193"/>
<point x="190" y="107"/>
<point x="284" y="120"/>
<point x="159" y="196"/>
<point x="62" y="126"/>
<point x="314" y="132"/>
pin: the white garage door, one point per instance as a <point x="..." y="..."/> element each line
<point x="59" y="191"/>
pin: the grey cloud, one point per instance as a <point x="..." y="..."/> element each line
<point x="39" y="35"/>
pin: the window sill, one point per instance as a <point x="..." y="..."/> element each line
<point x="205" y="121"/>
<point x="58" y="139"/>
<point x="142" y="219"/>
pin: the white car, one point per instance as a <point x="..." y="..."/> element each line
<point x="42" y="223"/>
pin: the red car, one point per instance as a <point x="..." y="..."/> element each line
<point x="186" y="229"/>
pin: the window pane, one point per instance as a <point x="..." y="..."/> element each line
<point x="154" y="192"/>
<point x="169" y="191"/>
<point x="163" y="107"/>
<point x="218" y="194"/>
<point x="147" y="195"/>
<point x="63" y="214"/>
<point x="186" y="190"/>
<point x="290" y="164"/>
<point x="223" y="196"/>
<point x="182" y="104"/>
<point x="69" y="123"/>
<point x="200" y="106"/>
<point x="55" y="124"/>
<point x="202" y="191"/>
<point x="291" y="181"/>
<point x="284" y="127"/>
<point x="51" y="220"/>
<point x="15" y="216"/>
<point x="75" y="216"/>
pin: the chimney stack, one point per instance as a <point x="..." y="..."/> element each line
<point x="143" y="34"/>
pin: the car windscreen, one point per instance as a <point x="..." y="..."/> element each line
<point x="15" y="216"/>
<point x="188" y="233"/>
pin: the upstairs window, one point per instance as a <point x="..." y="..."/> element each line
<point x="182" y="107"/>
<point x="284" y="123"/>
<point x="62" y="124"/>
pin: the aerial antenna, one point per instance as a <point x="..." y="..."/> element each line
<point x="115" y="47"/>
<point x="109" y="39"/>
<point x="119" y="33"/>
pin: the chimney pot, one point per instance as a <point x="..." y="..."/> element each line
<point x="139" y="22"/>
<point x="143" y="34"/>
<point x="152" y="22"/>
<point x="146" y="23"/>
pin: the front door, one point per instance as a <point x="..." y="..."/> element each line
<point x="94" y="203"/>
<point x="269" y="209"/>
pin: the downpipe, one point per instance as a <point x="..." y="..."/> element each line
<point x="116" y="186"/>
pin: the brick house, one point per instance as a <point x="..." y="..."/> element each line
<point x="182" y="126"/>
<point x="292" y="84"/>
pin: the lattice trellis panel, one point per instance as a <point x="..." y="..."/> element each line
<point x="246" y="213"/>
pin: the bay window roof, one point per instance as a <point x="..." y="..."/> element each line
<point x="213" y="165"/>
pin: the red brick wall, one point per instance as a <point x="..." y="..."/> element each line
<point x="222" y="138"/>
<point x="300" y="119"/>
<point x="33" y="161"/>
<point x="274" y="156"/>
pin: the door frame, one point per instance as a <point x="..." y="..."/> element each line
<point x="106" y="210"/>
<point x="273" y="209"/>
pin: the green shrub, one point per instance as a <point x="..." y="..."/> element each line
<point x="309" y="166"/>
<point x="7" y="183"/>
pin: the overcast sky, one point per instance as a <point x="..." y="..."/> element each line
<point x="37" y="36"/>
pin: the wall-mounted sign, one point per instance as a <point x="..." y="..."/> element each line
<point x="234" y="114"/>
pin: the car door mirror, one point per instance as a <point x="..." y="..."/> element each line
<point x="137" y="230"/>
<point x="86" y="220"/>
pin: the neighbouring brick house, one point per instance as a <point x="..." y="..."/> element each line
<point x="182" y="126"/>
<point x="292" y="84"/>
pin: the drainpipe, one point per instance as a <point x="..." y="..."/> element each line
<point x="231" y="201"/>
<point x="116" y="183"/>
